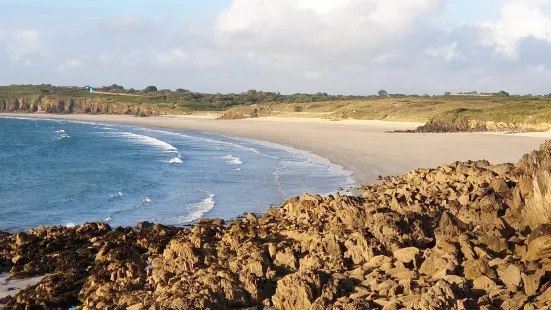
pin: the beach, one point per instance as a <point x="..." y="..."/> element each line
<point x="367" y="148"/>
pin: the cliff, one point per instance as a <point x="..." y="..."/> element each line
<point x="78" y="105"/>
<point x="462" y="236"/>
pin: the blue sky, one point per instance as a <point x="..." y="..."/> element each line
<point x="336" y="46"/>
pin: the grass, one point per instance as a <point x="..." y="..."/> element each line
<point x="531" y="110"/>
<point x="515" y="109"/>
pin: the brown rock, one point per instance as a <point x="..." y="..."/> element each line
<point x="539" y="244"/>
<point x="532" y="282"/>
<point x="297" y="291"/>
<point x="484" y="283"/>
<point x="499" y="185"/>
<point x="407" y="255"/>
<point x="442" y="295"/>
<point x="515" y="303"/>
<point x="474" y="269"/>
<point x="511" y="276"/>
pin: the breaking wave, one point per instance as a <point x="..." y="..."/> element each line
<point x="175" y="160"/>
<point x="146" y="140"/>
<point x="230" y="160"/>
<point x="194" y="211"/>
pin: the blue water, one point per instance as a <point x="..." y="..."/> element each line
<point x="56" y="172"/>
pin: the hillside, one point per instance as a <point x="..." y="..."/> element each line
<point x="442" y="113"/>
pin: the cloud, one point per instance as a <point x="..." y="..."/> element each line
<point x="19" y="43"/>
<point x="71" y="64"/>
<point x="334" y="46"/>
<point x="520" y="19"/>
<point x="173" y="57"/>
<point x="303" y="29"/>
<point x="446" y="52"/>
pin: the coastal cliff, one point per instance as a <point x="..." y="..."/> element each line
<point x="79" y="106"/>
<point x="468" y="235"/>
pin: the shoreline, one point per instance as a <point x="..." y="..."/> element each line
<point x="442" y="238"/>
<point x="366" y="148"/>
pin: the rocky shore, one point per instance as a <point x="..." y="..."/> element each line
<point x="463" y="236"/>
<point x="466" y="125"/>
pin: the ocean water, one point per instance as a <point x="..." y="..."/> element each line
<point x="55" y="172"/>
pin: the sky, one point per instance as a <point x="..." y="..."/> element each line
<point x="351" y="47"/>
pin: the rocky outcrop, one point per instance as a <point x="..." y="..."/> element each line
<point x="80" y="106"/>
<point x="467" y="125"/>
<point x="468" y="235"/>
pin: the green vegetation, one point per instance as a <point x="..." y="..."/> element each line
<point x="472" y="106"/>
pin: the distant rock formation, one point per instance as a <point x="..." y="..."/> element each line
<point x="80" y="106"/>
<point x="462" y="236"/>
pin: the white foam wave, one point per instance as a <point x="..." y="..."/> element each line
<point x="63" y="136"/>
<point x="146" y="199"/>
<point x="61" y="131"/>
<point x="70" y="225"/>
<point x="175" y="160"/>
<point x="250" y="149"/>
<point x="230" y="160"/>
<point x="237" y="169"/>
<point x="147" y="140"/>
<point x="117" y="195"/>
<point x="195" y="211"/>
<point x="108" y="219"/>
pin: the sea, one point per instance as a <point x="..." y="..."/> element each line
<point x="58" y="172"/>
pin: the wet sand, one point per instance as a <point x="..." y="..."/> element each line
<point x="363" y="147"/>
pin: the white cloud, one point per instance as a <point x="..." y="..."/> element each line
<point x="314" y="75"/>
<point x="520" y="19"/>
<point x="19" y="43"/>
<point x="71" y="64"/>
<point x="306" y="29"/>
<point x="445" y="52"/>
<point x="173" y="57"/>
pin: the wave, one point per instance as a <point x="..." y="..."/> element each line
<point x="70" y="225"/>
<point x="175" y="160"/>
<point x="146" y="199"/>
<point x="250" y="149"/>
<point x="146" y="140"/>
<point x="63" y="136"/>
<point x="117" y="195"/>
<point x="230" y="160"/>
<point x="61" y="131"/>
<point x="195" y="211"/>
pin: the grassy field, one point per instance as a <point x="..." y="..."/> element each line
<point x="531" y="110"/>
<point x="507" y="109"/>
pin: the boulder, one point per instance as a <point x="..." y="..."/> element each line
<point x="511" y="276"/>
<point x="407" y="255"/>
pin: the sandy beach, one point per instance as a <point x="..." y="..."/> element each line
<point x="364" y="147"/>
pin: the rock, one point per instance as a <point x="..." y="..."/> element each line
<point x="539" y="244"/>
<point x="138" y="306"/>
<point x="251" y="217"/>
<point x="297" y="291"/>
<point x="515" y="303"/>
<point x="144" y="225"/>
<point x="546" y="296"/>
<point x="16" y="259"/>
<point x="532" y="282"/>
<point x="21" y="238"/>
<point x="407" y="255"/>
<point x="442" y="295"/>
<point x="485" y="284"/>
<point x="511" y="276"/>
<point x="499" y="185"/>
<point x="474" y="269"/>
